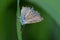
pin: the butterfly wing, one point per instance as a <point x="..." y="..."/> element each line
<point x="29" y="15"/>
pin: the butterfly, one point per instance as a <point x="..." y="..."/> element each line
<point x="29" y="15"/>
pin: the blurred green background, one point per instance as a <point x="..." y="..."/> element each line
<point x="8" y="10"/>
<point x="49" y="28"/>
